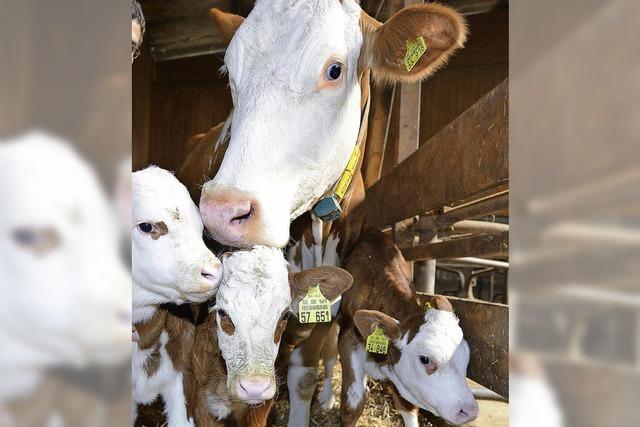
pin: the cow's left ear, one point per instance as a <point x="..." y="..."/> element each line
<point x="413" y="44"/>
<point x="367" y="320"/>
<point x="226" y="23"/>
<point x="333" y="282"/>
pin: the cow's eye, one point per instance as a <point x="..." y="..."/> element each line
<point x="222" y="313"/>
<point x="333" y="71"/>
<point x="146" y="227"/>
<point x="425" y="360"/>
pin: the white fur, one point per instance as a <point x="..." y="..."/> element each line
<point x="299" y="409"/>
<point x="254" y="293"/>
<point x="357" y="390"/>
<point x="288" y="133"/>
<point x="166" y="270"/>
<point x="326" y="397"/>
<point x="220" y="408"/>
<point x="70" y="305"/>
<point x="410" y="419"/>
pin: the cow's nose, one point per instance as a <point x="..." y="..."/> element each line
<point x="468" y="412"/>
<point x="229" y="219"/>
<point x="212" y="273"/>
<point x="255" y="389"/>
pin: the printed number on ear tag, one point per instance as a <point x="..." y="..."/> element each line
<point x="314" y="308"/>
<point x="377" y="342"/>
<point x="415" y="49"/>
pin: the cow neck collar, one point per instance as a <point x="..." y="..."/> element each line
<point x="327" y="208"/>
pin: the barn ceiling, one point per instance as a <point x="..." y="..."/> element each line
<point x="182" y="28"/>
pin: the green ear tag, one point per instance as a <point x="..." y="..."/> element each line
<point x="314" y="307"/>
<point x="415" y="49"/>
<point x="377" y="342"/>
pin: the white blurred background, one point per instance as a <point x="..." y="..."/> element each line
<point x="575" y="213"/>
<point x="65" y="132"/>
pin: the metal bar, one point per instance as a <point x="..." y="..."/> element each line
<point x="482" y="262"/>
<point x="470" y="226"/>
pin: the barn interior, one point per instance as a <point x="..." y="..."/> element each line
<point x="443" y="141"/>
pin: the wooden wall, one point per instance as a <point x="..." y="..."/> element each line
<point x="174" y="100"/>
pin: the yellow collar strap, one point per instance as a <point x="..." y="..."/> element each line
<point x="328" y="207"/>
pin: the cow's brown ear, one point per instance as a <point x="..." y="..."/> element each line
<point x="226" y="23"/>
<point x="367" y="320"/>
<point x="333" y="282"/>
<point x="413" y="44"/>
<point x="441" y="303"/>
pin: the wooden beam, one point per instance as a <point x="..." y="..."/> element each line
<point x="467" y="157"/>
<point x="486" y="328"/>
<point x="483" y="245"/>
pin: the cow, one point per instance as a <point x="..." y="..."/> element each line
<point x="427" y="356"/>
<point x="236" y="345"/>
<point x="170" y="265"/>
<point x="285" y="165"/>
<point x="66" y="295"/>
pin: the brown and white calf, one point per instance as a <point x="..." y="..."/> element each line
<point x="236" y="346"/>
<point x="427" y="356"/>
<point x="170" y="265"/>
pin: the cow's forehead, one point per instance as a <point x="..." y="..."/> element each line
<point x="278" y="28"/>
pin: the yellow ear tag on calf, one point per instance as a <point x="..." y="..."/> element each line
<point x="428" y="306"/>
<point x="415" y="49"/>
<point x="314" y="307"/>
<point x="377" y="342"/>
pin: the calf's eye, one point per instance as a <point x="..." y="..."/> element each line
<point x="333" y="71"/>
<point x="425" y="360"/>
<point x="145" y="227"/>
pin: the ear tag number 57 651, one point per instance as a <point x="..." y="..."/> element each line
<point x="314" y="307"/>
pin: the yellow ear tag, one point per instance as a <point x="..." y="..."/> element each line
<point x="314" y="307"/>
<point x="377" y="342"/>
<point x="415" y="49"/>
<point x="428" y="306"/>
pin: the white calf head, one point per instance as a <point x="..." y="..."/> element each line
<point x="170" y="261"/>
<point x="294" y="68"/>
<point x="429" y="359"/>
<point x="252" y="307"/>
<point x="66" y="296"/>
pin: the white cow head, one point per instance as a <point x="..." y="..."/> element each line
<point x="294" y="68"/>
<point x="429" y="359"/>
<point x="252" y="307"/>
<point x="170" y="261"/>
<point x="66" y="296"/>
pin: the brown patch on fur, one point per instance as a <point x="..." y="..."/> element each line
<point x="202" y="161"/>
<point x="443" y="29"/>
<point x="441" y="303"/>
<point x="226" y="324"/>
<point x="347" y="344"/>
<point x="282" y="324"/>
<point x="402" y="404"/>
<point x="226" y="23"/>
<point x="161" y="230"/>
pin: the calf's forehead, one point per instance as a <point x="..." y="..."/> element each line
<point x="255" y="282"/>
<point x="440" y="335"/>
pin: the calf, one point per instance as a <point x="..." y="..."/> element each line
<point x="170" y="264"/>
<point x="236" y="347"/>
<point x="427" y="356"/>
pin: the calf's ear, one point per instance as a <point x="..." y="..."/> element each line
<point x="367" y="320"/>
<point x="333" y="282"/>
<point x="226" y="23"/>
<point x="441" y="303"/>
<point x="430" y="32"/>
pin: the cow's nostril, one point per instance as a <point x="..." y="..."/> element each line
<point x="241" y="218"/>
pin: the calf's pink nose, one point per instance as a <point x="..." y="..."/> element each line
<point x="212" y="274"/>
<point x="468" y="412"/>
<point x="255" y="389"/>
